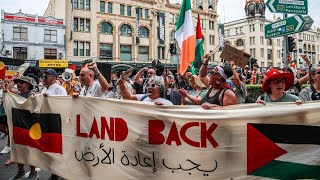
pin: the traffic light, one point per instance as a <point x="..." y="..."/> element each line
<point x="173" y="49"/>
<point x="291" y="44"/>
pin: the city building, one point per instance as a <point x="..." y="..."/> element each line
<point x="32" y="37"/>
<point x="248" y="35"/>
<point x="131" y="32"/>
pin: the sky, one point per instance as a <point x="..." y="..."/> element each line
<point x="227" y="9"/>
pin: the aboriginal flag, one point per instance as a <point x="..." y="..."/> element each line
<point x="41" y="131"/>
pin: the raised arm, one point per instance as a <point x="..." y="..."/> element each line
<point x="204" y="71"/>
<point x="235" y="75"/>
<point x="124" y="91"/>
<point x="103" y="82"/>
<point x="137" y="78"/>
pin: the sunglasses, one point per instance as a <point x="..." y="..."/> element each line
<point x="153" y="85"/>
<point x="278" y="81"/>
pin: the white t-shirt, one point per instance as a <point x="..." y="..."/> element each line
<point x="94" y="90"/>
<point x="55" y="90"/>
<point x="145" y="98"/>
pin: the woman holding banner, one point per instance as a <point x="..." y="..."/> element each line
<point x="312" y="93"/>
<point x="219" y="93"/>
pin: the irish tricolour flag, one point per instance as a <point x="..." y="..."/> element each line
<point x="282" y="151"/>
<point x="185" y="36"/>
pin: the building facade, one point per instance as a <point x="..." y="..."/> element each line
<point x="32" y="37"/>
<point x="248" y="35"/>
<point x="128" y="31"/>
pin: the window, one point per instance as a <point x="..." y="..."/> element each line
<point x="269" y="42"/>
<point x="202" y="23"/>
<point x="105" y="51"/>
<point x="211" y="25"/>
<point x="172" y="18"/>
<point x="129" y="10"/>
<point x="125" y="53"/>
<point x="172" y="36"/>
<point x="237" y="31"/>
<point x="88" y="5"/>
<point x="279" y="54"/>
<point x="106" y="28"/>
<point x="121" y="9"/>
<point x="81" y="48"/>
<point x="269" y="54"/>
<point x="241" y="30"/>
<point x="139" y="12"/>
<point x="252" y="40"/>
<point x="239" y="42"/>
<point x="125" y="30"/>
<point x="144" y="32"/>
<point x="87" y="25"/>
<point x="143" y="53"/>
<point x="261" y="40"/>
<point x="81" y="24"/>
<point x="102" y="6"/>
<point x="110" y="7"/>
<point x="20" y="53"/>
<point x="50" y="35"/>
<point x="87" y="49"/>
<point x="75" y="24"/>
<point x="75" y="48"/>
<point x="20" y="33"/>
<point x="278" y="42"/>
<point x="253" y="52"/>
<point x="50" y="53"/>
<point x="211" y="39"/>
<point x="161" y="52"/>
<point x="75" y="4"/>
<point x="81" y="4"/>
<point x="262" y="52"/>
<point x="261" y="27"/>
<point x="146" y="13"/>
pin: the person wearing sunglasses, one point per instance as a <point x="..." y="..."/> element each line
<point x="275" y="85"/>
<point x="155" y="92"/>
<point x="312" y="93"/>
<point x="237" y="80"/>
<point x="50" y="84"/>
<point x="219" y="92"/>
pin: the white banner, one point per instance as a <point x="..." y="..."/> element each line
<point x="113" y="139"/>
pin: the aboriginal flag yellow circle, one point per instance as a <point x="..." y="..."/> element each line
<point x="35" y="131"/>
<point x="1" y="65"/>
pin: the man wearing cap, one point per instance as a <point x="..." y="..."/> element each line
<point x="275" y="85"/>
<point x="247" y="74"/>
<point x="24" y="84"/>
<point x="50" y="84"/>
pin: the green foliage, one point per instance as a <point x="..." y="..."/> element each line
<point x="253" y="92"/>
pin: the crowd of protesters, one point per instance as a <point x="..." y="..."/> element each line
<point x="210" y="88"/>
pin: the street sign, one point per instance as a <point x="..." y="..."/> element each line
<point x="308" y="24"/>
<point x="288" y="6"/>
<point x="283" y="27"/>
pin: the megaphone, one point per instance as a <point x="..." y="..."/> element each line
<point x="67" y="76"/>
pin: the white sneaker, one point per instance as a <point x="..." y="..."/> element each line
<point x="5" y="150"/>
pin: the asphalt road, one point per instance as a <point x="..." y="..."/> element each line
<point x="6" y="172"/>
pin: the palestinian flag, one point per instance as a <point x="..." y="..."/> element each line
<point x="41" y="131"/>
<point x="199" y="49"/>
<point x="283" y="151"/>
<point x="185" y="36"/>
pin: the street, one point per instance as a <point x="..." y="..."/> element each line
<point x="6" y="172"/>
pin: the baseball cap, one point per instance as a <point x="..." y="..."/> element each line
<point x="51" y="72"/>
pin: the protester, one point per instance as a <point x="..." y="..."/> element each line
<point x="219" y="93"/>
<point x="240" y="88"/>
<point x="274" y="86"/>
<point x="24" y="84"/>
<point x="194" y="96"/>
<point x="3" y="122"/>
<point x="140" y="81"/>
<point x="50" y="84"/>
<point x="155" y="92"/>
<point x="91" y="87"/>
<point x="255" y="75"/>
<point x="71" y="85"/>
<point x="312" y="92"/>
<point x="247" y="75"/>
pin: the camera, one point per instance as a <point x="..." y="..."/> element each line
<point x="159" y="69"/>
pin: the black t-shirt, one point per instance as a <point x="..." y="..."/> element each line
<point x="138" y="87"/>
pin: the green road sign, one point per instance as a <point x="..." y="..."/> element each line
<point x="283" y="27"/>
<point x="288" y="6"/>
